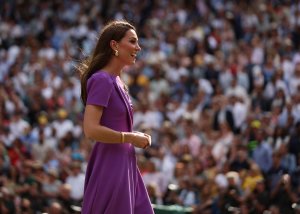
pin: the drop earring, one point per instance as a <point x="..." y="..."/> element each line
<point x="116" y="53"/>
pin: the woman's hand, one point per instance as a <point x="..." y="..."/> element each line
<point x="140" y="140"/>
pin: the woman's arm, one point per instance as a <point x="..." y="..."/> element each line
<point x="93" y="130"/>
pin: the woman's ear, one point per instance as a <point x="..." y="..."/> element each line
<point x="114" y="44"/>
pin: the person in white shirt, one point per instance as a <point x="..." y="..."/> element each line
<point x="62" y="125"/>
<point x="76" y="181"/>
<point x="146" y="117"/>
<point x="190" y="139"/>
<point x="155" y="178"/>
<point x="239" y="111"/>
<point x="18" y="124"/>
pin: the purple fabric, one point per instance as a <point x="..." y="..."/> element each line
<point x="113" y="182"/>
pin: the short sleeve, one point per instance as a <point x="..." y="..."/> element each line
<point x="99" y="89"/>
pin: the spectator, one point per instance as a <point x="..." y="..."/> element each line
<point x="240" y="161"/>
<point x="187" y="195"/>
<point x="64" y="198"/>
<point x="275" y="173"/>
<point x="39" y="150"/>
<point x="155" y="179"/>
<point x="283" y="196"/>
<point x="62" y="125"/>
<point x="260" y="197"/>
<point x="223" y="113"/>
<point x="55" y="208"/>
<point x="190" y="138"/>
<point x="76" y="182"/>
<point x="251" y="179"/>
<point x="288" y="161"/>
<point x="262" y="154"/>
<point x="51" y="185"/>
<point x="231" y="198"/>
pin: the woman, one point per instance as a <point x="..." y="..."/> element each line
<point x="113" y="183"/>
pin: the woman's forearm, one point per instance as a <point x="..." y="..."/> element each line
<point x="106" y="135"/>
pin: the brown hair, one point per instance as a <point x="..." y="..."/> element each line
<point x="114" y="30"/>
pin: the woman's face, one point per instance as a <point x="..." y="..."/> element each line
<point x="128" y="48"/>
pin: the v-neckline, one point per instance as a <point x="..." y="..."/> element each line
<point x="126" y="99"/>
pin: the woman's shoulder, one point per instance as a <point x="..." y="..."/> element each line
<point x="102" y="76"/>
<point x="100" y="81"/>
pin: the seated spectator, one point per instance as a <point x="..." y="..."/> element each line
<point x="171" y="195"/>
<point x="76" y="182"/>
<point x="64" y="198"/>
<point x="252" y="177"/>
<point x="275" y="173"/>
<point x="39" y="149"/>
<point x="260" y="197"/>
<point x="205" y="199"/>
<point x="262" y="153"/>
<point x="51" y="185"/>
<point x="288" y="160"/>
<point x="283" y="195"/>
<point x="231" y="197"/>
<point x="154" y="178"/>
<point x="190" y="139"/>
<point x="154" y="197"/>
<point x="55" y="208"/>
<point x="187" y="194"/>
<point x="7" y="204"/>
<point x="240" y="161"/>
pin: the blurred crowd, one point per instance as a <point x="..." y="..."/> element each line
<point x="217" y="85"/>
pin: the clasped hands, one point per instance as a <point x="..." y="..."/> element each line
<point x="141" y="140"/>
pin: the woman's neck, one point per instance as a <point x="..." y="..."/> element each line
<point x="114" y="68"/>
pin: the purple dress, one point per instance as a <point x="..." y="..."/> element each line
<point x="113" y="183"/>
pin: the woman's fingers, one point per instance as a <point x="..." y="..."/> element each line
<point x="148" y="143"/>
<point x="149" y="139"/>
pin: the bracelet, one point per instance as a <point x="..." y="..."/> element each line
<point x="122" y="137"/>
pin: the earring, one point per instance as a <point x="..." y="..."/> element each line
<point x="116" y="53"/>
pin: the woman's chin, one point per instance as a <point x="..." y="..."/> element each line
<point x="132" y="62"/>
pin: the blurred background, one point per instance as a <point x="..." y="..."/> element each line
<point x="217" y="85"/>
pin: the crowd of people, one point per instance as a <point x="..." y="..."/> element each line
<point x="216" y="85"/>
